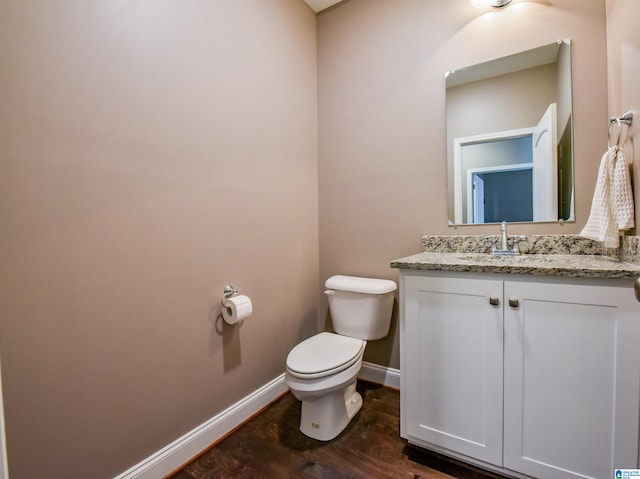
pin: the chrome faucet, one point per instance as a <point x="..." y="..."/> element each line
<point x="505" y="249"/>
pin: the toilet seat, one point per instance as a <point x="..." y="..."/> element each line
<point x="323" y="355"/>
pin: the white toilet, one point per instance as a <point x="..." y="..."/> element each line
<point x="322" y="370"/>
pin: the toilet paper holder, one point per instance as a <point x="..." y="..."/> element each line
<point x="235" y="307"/>
<point x="228" y="292"/>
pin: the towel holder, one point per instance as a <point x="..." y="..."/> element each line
<point x="627" y="119"/>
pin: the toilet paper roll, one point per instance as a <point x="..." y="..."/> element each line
<point x="236" y="308"/>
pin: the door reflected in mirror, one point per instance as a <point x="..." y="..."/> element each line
<point x="509" y="138"/>
<point x="490" y="190"/>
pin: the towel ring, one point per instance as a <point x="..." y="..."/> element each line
<point x="627" y="119"/>
<point x="615" y="121"/>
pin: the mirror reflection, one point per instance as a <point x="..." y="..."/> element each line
<point x="509" y="138"/>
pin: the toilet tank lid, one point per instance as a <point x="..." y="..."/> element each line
<point x="356" y="284"/>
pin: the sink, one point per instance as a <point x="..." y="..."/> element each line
<point x="475" y="257"/>
<point x="513" y="259"/>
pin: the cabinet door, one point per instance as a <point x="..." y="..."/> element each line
<point x="572" y="356"/>
<point x="452" y="365"/>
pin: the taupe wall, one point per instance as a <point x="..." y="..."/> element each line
<point x="382" y="171"/>
<point x="151" y="152"/>
<point x="129" y="131"/>
<point x="623" y="51"/>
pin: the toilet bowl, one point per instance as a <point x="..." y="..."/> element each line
<point x="322" y="370"/>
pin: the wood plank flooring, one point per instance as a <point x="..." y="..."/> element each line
<point x="272" y="446"/>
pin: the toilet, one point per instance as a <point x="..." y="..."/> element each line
<point x="322" y="370"/>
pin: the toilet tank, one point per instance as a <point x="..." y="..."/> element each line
<point x="360" y="307"/>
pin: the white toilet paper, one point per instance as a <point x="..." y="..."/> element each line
<point x="236" y="308"/>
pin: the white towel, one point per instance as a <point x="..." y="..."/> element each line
<point x="612" y="209"/>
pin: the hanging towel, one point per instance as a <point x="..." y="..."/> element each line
<point x="612" y="207"/>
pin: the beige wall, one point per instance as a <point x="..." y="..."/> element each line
<point x="382" y="168"/>
<point x="623" y="51"/>
<point x="129" y="132"/>
<point x="150" y="153"/>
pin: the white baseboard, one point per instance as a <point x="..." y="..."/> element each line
<point x="191" y="444"/>
<point x="379" y="374"/>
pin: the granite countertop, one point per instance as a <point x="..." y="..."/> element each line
<point x="566" y="265"/>
<point x="543" y="255"/>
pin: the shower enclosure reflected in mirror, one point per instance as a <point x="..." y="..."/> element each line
<point x="509" y="138"/>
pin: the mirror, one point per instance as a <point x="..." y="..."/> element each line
<point x="509" y="138"/>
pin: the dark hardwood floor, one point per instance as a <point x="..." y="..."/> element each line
<point x="272" y="446"/>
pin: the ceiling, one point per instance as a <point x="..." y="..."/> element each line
<point x="319" y="5"/>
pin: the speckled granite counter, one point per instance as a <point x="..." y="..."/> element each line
<point x="567" y="265"/>
<point x="544" y="255"/>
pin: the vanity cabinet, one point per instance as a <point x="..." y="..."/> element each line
<point x="531" y="376"/>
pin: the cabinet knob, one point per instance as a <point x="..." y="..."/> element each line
<point x="514" y="303"/>
<point x="494" y="301"/>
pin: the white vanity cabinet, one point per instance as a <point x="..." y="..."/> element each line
<point x="451" y="365"/>
<point x="532" y="376"/>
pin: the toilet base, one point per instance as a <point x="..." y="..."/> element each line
<point x="327" y="416"/>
